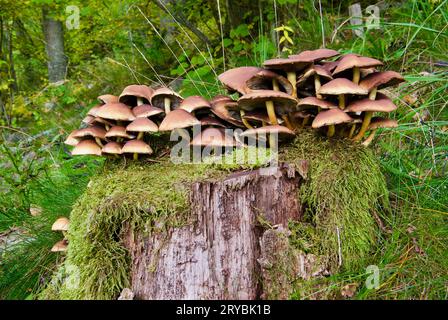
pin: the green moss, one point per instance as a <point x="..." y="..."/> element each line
<point x="344" y="185"/>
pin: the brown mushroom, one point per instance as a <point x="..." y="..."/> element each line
<point x="195" y="105"/>
<point x="108" y="98"/>
<point x="330" y="118"/>
<point x="166" y="99"/>
<point x="136" y="147"/>
<point x="276" y="133"/>
<point x="235" y="79"/>
<point x="146" y="111"/>
<point x="115" y="111"/>
<point x="355" y="62"/>
<point x="269" y="80"/>
<point x="87" y="147"/>
<point x="316" y="72"/>
<point x="178" y="119"/>
<point x="227" y="110"/>
<point x="98" y="133"/>
<point x="213" y="137"/>
<point x="118" y="132"/>
<point x="142" y="125"/>
<point x="340" y="87"/>
<point x="136" y="95"/>
<point x="377" y="123"/>
<point x="113" y="148"/>
<point x="60" y="246"/>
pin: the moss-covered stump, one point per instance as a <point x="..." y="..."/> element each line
<point x="224" y="231"/>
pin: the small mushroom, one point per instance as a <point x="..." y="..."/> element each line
<point x="61" y="224"/>
<point x="317" y="73"/>
<point x="108" y="98"/>
<point x="146" y="111"/>
<point x="136" y="147"/>
<point x="115" y="111"/>
<point x="355" y="62"/>
<point x="113" y="148"/>
<point x="315" y="103"/>
<point x="226" y="109"/>
<point x="235" y="79"/>
<point x="330" y="118"/>
<point x="368" y="106"/>
<point x="213" y="137"/>
<point x="195" y="105"/>
<point x="380" y="80"/>
<point x="377" y="123"/>
<point x="340" y="87"/>
<point x="178" y="119"/>
<point x="60" y="246"/>
<point x="269" y="80"/>
<point x="210" y="121"/>
<point x="273" y="101"/>
<point x="98" y="133"/>
<point x="93" y="111"/>
<point x="276" y="133"/>
<point x="119" y="133"/>
<point x="142" y="125"/>
<point x="87" y="147"/>
<point x="70" y="140"/>
<point x="166" y="99"/>
<point x="136" y="95"/>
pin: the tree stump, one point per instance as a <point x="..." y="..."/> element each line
<point x="220" y="255"/>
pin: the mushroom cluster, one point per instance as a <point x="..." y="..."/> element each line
<point x="321" y="89"/>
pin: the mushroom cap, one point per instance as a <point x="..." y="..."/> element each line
<point x="350" y="61"/>
<point x="287" y="64"/>
<point x="112" y="148"/>
<point x="194" y="103"/>
<point x="330" y="117"/>
<point x="214" y="137"/>
<point x="225" y="109"/>
<point x="258" y="116"/>
<point x="301" y="114"/>
<point x="313" y="102"/>
<point x="381" y="104"/>
<point x="60" y="246"/>
<point x="262" y="132"/>
<point x="146" y="110"/>
<point x="61" y="224"/>
<point x="136" y="146"/>
<point x="108" y="98"/>
<point x="381" y="80"/>
<point x="159" y="95"/>
<point x="211" y="121"/>
<point x="178" y="119"/>
<point x="70" y="140"/>
<point x="118" y="132"/>
<point x="220" y="97"/>
<point x="115" y="111"/>
<point x="315" y="55"/>
<point x="378" y="122"/>
<point x="95" y="131"/>
<point x="87" y="147"/>
<point x="329" y="65"/>
<point x="311" y="71"/>
<point x="88" y="119"/>
<point x="262" y="80"/>
<point x="342" y="86"/>
<point x="130" y="94"/>
<point x="102" y="121"/>
<point x="283" y="102"/>
<point x="93" y="111"/>
<point x="235" y="79"/>
<point x="142" y="125"/>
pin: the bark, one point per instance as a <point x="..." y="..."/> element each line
<point x="54" y="44"/>
<point x="227" y="251"/>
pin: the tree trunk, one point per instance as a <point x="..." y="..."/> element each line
<point x="54" y="44"/>
<point x="228" y="249"/>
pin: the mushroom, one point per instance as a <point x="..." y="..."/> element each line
<point x="98" y="133"/>
<point x="341" y="87"/>
<point x="87" y="147"/>
<point x="213" y="137"/>
<point x="108" y="98"/>
<point x="146" y="111"/>
<point x="70" y="140"/>
<point x="377" y="123"/>
<point x="269" y="80"/>
<point x="60" y="246"/>
<point x="142" y="125"/>
<point x="98" y="120"/>
<point x="166" y="99"/>
<point x="290" y="66"/>
<point x="330" y="118"/>
<point x="235" y="79"/>
<point x="178" y="119"/>
<point x="316" y="55"/>
<point x="195" y="105"/>
<point x="136" y="95"/>
<point x="368" y="106"/>
<point x="355" y="62"/>
<point x="112" y="147"/>
<point x="317" y="72"/>
<point x="209" y="121"/>
<point x="116" y="111"/>
<point x="315" y="103"/>
<point x="274" y="101"/>
<point x="136" y="147"/>
<point x="260" y="117"/>
<point x="88" y="119"/>
<point x="276" y="133"/>
<point x="380" y="80"/>
<point x="227" y="110"/>
<point x="93" y="111"/>
<point x="119" y="133"/>
<point x="61" y="224"/>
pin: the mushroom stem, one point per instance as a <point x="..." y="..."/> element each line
<point x="341" y="101"/>
<point x="356" y="75"/>
<point x="245" y="122"/>
<point x="271" y="112"/>
<point x="167" y="104"/>
<point x="263" y="123"/>
<point x="367" y="117"/>
<point x="98" y="141"/>
<point x="140" y="136"/>
<point x="305" y="121"/>
<point x="139" y="101"/>
<point x="352" y="130"/>
<point x="369" y="139"/>
<point x="364" y="125"/>
<point x="331" y="131"/>
<point x="107" y="127"/>
<point x="287" y="122"/>
<point x="317" y="85"/>
<point x="272" y="141"/>
<point x="135" y="156"/>
<point x="275" y="86"/>
<point x="292" y="78"/>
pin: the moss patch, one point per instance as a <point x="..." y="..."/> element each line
<point x="344" y="185"/>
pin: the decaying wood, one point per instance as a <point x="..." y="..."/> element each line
<point x="220" y="255"/>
